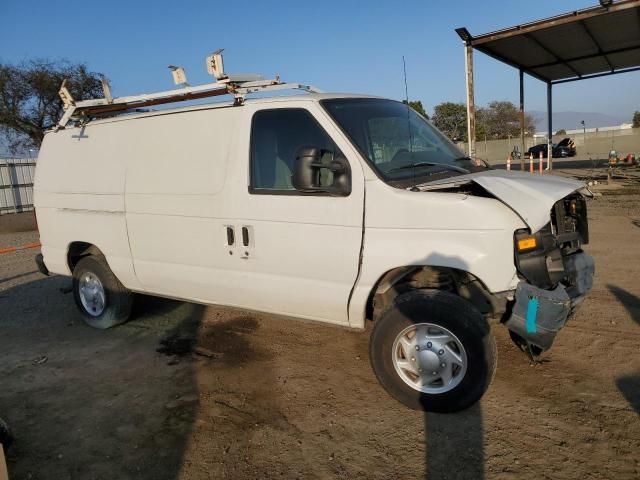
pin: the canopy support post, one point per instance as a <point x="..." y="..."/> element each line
<point x="549" y="126"/>
<point x="521" y="119"/>
<point x="471" y="109"/>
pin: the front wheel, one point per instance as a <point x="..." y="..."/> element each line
<point x="102" y="300"/>
<point x="433" y="351"/>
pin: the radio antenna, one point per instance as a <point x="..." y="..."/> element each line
<point x="406" y="88"/>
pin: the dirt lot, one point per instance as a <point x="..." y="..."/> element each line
<point x="266" y="397"/>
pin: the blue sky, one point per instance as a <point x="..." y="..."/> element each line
<point x="336" y="45"/>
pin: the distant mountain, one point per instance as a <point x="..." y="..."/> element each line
<point x="571" y="120"/>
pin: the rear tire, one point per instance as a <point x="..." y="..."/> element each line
<point x="102" y="300"/>
<point x="444" y="336"/>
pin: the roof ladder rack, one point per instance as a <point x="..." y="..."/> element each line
<point x="238" y="85"/>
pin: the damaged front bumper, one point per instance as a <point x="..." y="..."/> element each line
<point x="538" y="315"/>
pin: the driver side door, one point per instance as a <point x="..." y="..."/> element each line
<point x="298" y="252"/>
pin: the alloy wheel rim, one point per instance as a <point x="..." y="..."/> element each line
<point x="429" y="358"/>
<point x="92" y="295"/>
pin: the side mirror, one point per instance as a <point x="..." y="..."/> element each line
<point x="311" y="173"/>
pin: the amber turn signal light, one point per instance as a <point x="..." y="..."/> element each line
<point x="527" y="243"/>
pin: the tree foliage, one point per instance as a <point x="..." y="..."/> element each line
<point x="417" y="106"/>
<point x="562" y="131"/>
<point x="498" y="120"/>
<point x="636" y="120"/>
<point x="29" y="101"/>
<point x="501" y="119"/>
<point x="451" y="119"/>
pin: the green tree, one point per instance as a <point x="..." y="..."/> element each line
<point x="451" y="119"/>
<point x="29" y="101"/>
<point x="502" y="120"/>
<point x="562" y="131"/>
<point x="482" y="123"/>
<point x="417" y="106"/>
<point x="636" y="120"/>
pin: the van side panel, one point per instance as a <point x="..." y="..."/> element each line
<point x="79" y="196"/>
<point x="176" y="209"/>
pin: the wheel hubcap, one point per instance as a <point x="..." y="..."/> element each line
<point x="92" y="294"/>
<point x="429" y="358"/>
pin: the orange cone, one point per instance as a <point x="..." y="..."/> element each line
<point x="541" y="161"/>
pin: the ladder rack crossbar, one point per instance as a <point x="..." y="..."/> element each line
<point x="238" y="85"/>
<point x="86" y="109"/>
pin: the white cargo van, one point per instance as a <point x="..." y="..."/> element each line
<point x="334" y="208"/>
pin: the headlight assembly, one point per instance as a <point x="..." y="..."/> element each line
<point x="538" y="257"/>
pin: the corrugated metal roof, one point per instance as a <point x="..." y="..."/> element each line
<point x="593" y="41"/>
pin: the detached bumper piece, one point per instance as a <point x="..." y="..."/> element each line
<point x="41" y="266"/>
<point x="538" y="315"/>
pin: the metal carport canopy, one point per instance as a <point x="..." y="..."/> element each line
<point x="593" y="42"/>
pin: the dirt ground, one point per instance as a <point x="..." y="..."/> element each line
<point x="188" y="392"/>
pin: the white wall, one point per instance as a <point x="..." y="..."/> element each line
<point x="596" y="145"/>
<point x="16" y="184"/>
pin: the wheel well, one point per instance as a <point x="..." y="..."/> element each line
<point x="77" y="250"/>
<point x="403" y="279"/>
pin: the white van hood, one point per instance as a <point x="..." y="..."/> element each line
<point x="531" y="196"/>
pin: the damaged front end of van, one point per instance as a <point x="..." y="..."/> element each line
<point x="555" y="273"/>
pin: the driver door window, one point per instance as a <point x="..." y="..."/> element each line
<point x="276" y="137"/>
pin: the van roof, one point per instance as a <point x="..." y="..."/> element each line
<point x="304" y="97"/>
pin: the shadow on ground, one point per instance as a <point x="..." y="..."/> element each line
<point x="85" y="403"/>
<point x="15" y="277"/>
<point x="451" y="455"/>
<point x="629" y="385"/>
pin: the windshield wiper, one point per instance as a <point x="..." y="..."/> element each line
<point x="469" y="159"/>
<point x="428" y="164"/>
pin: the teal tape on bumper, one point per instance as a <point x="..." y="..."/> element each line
<point x="532" y="312"/>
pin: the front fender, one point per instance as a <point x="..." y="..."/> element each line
<point x="402" y="228"/>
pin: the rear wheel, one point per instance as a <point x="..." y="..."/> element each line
<point x="433" y="351"/>
<point x="102" y="300"/>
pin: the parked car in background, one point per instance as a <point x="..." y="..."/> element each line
<point x="564" y="148"/>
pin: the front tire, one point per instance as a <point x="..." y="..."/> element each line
<point x="432" y="350"/>
<point x="102" y="300"/>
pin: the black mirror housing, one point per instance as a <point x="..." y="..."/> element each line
<point x="307" y="169"/>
